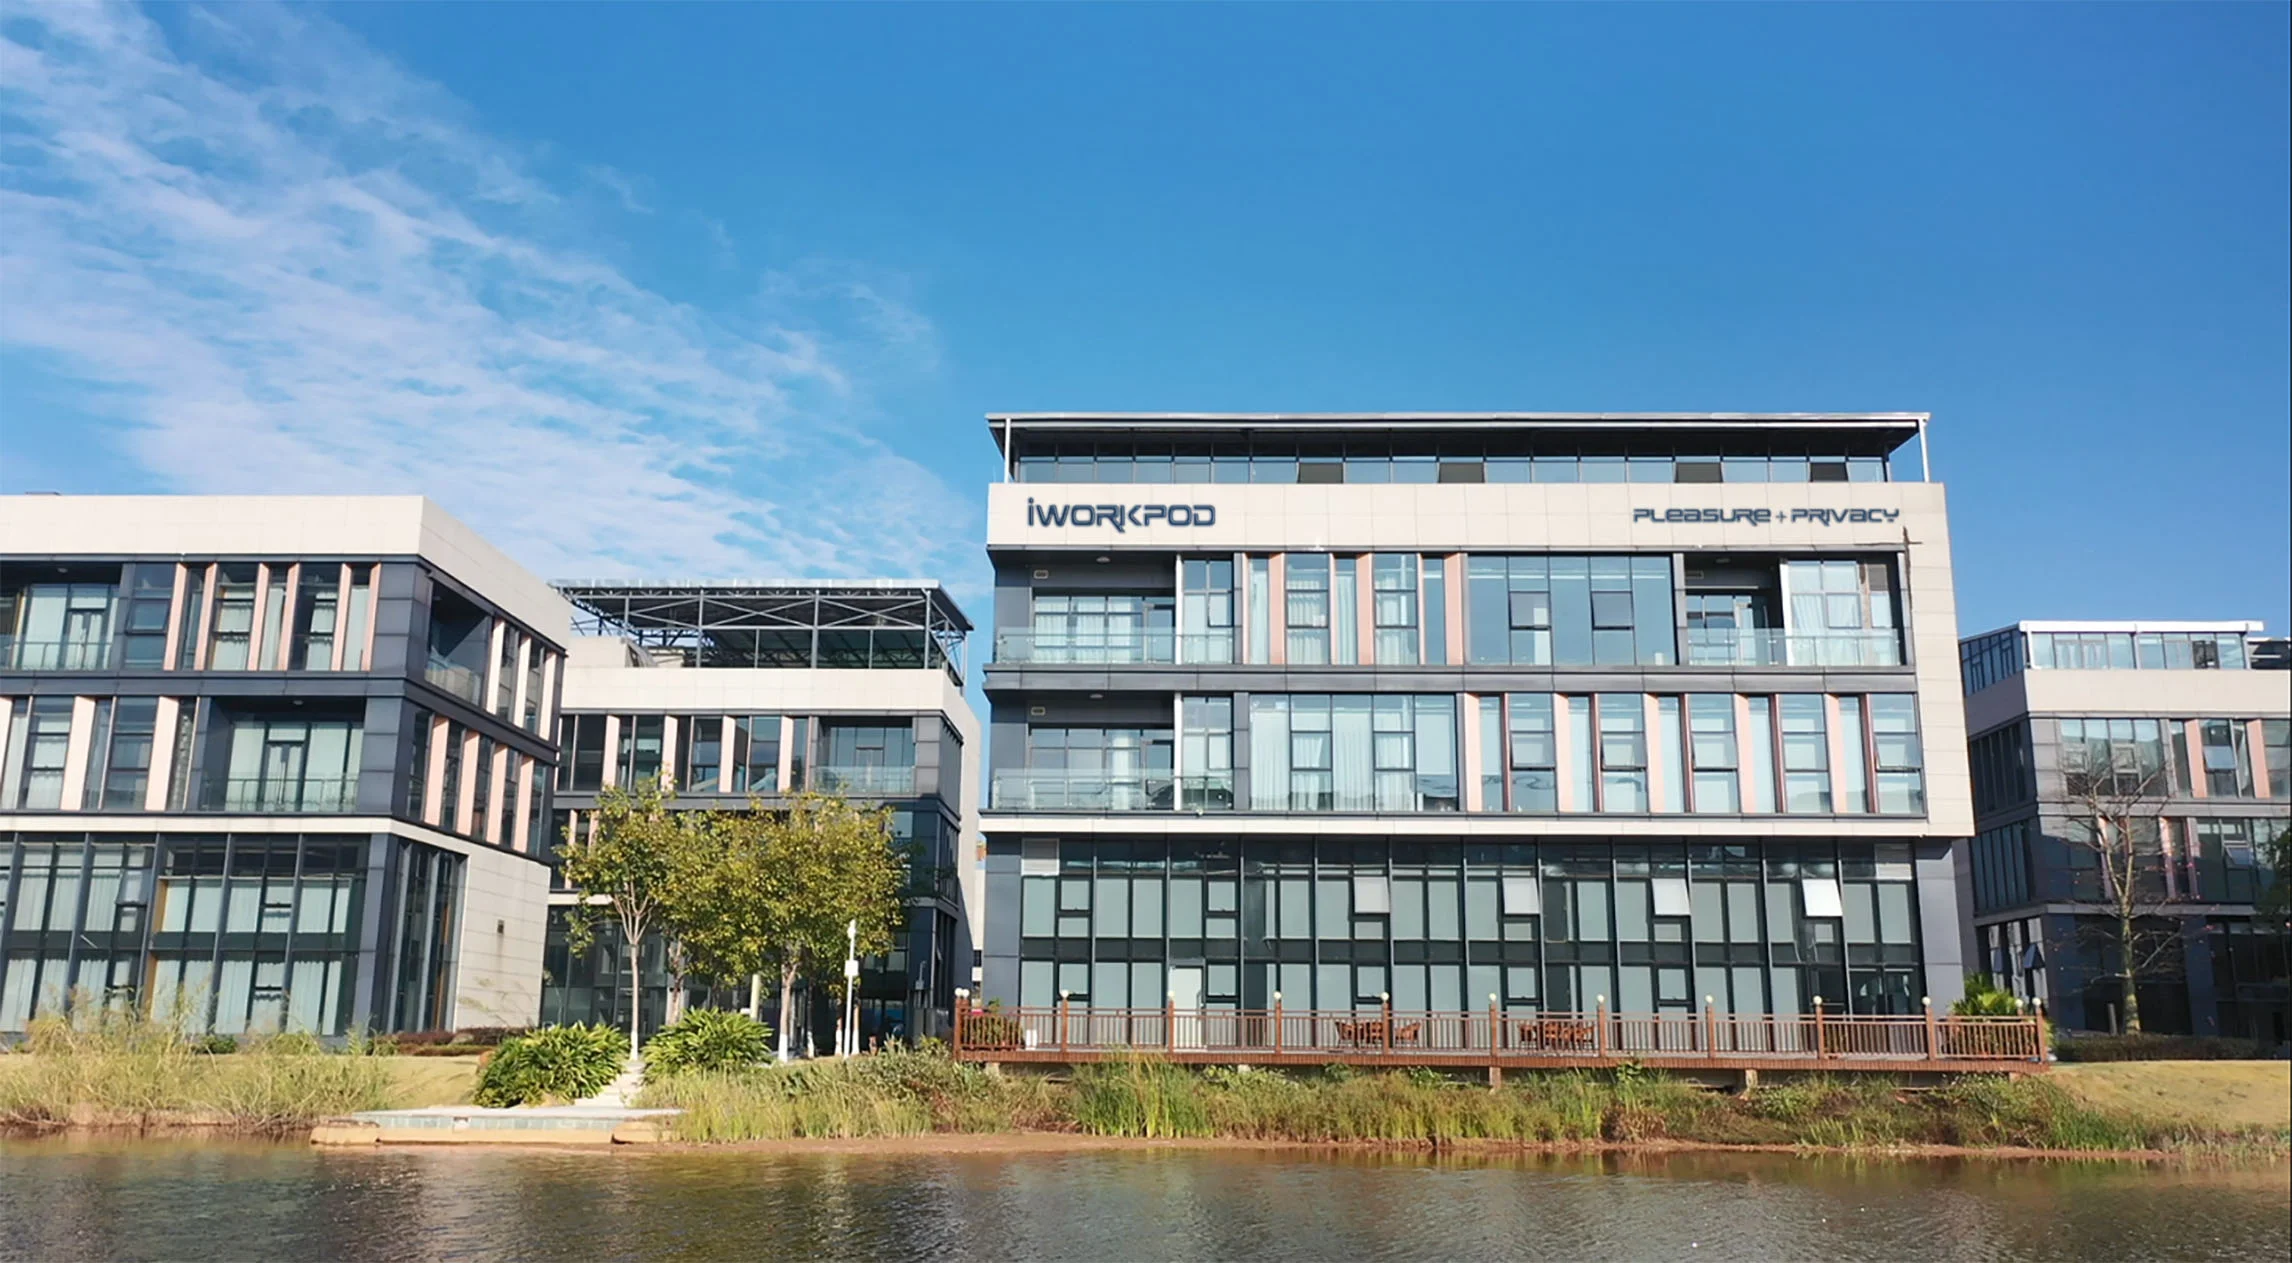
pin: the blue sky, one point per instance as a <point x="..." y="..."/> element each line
<point x="725" y="290"/>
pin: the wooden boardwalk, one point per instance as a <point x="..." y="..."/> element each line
<point x="1494" y="1039"/>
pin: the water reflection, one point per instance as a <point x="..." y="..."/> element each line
<point x="136" y="1200"/>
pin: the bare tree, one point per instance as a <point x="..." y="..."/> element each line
<point x="2114" y="793"/>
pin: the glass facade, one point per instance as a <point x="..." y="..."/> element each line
<point x="224" y="933"/>
<point x="1337" y="923"/>
<point x="1381" y="459"/>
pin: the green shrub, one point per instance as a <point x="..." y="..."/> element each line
<point x="555" y="1063"/>
<point x="218" y="1044"/>
<point x="708" y="1039"/>
<point x="2146" y="1047"/>
<point x="1984" y="998"/>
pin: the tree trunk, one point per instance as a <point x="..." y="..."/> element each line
<point x="755" y="997"/>
<point x="787" y="998"/>
<point x="636" y="992"/>
<point x="2125" y="930"/>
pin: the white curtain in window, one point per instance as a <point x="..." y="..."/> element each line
<point x="1354" y="758"/>
<point x="1269" y="753"/>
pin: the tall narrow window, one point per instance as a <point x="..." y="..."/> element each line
<point x="1711" y="730"/>
<point x="1436" y="611"/>
<point x="756" y="754"/>
<point x="2227" y="764"/>
<point x="418" y="765"/>
<point x="274" y="619"/>
<point x="1670" y="741"/>
<point x="505" y="676"/>
<point x="187" y="627"/>
<point x="2276" y="743"/>
<point x="1623" y="752"/>
<point x="127" y="772"/>
<point x="531" y="719"/>
<point x="143" y="629"/>
<point x="1491" y="738"/>
<point x="1345" y="617"/>
<point x="1854" y="775"/>
<point x="1260" y="610"/>
<point x="1759" y="738"/>
<point x="1208" y="613"/>
<point x="1583" y="759"/>
<point x="1806" y="754"/>
<point x="1534" y="750"/>
<point x="1306" y="608"/>
<point x="1393" y="578"/>
<point x="703" y="739"/>
<point x="45" y="736"/>
<point x="1206" y="753"/>
<point x="234" y="623"/>
<point x="1900" y="757"/>
<point x="355" y="611"/>
<point x="315" y="606"/>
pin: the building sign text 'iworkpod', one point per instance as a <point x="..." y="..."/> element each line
<point x="1120" y="516"/>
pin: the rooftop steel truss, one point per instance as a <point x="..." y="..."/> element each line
<point x="884" y="625"/>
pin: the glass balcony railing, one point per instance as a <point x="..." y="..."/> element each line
<point x="1141" y="648"/>
<point x="54" y="655"/>
<point x="1773" y="647"/>
<point x="1057" y="789"/>
<point x="255" y="794"/>
<point x="863" y="779"/>
<point x="463" y="682"/>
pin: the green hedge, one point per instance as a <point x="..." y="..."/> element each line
<point x="2161" y="1048"/>
<point x="708" y="1039"/>
<point x="553" y="1064"/>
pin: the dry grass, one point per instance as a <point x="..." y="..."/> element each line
<point x="2223" y="1094"/>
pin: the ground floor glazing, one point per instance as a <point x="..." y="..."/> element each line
<point x="1552" y="926"/>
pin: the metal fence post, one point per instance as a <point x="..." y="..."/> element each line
<point x="1933" y="1037"/>
<point x="1600" y="1030"/>
<point x="1386" y="998"/>
<point x="1710" y="1026"/>
<point x="1819" y="1041"/>
<point x="1277" y="1023"/>
<point x="1063" y="1017"/>
<point x="1495" y="1026"/>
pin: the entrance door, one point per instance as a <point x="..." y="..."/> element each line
<point x="1186" y="1006"/>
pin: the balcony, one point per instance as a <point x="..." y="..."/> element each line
<point x="54" y="655"/>
<point x="1113" y="649"/>
<point x="1773" y="647"/>
<point x="257" y="795"/>
<point x="863" y="780"/>
<point x="1055" y="789"/>
<point x="461" y="681"/>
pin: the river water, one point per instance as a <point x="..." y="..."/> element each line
<point x="130" y="1200"/>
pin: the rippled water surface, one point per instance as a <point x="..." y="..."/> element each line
<point x="64" y="1199"/>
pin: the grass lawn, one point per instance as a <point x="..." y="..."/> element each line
<point x="433" y="1080"/>
<point x="2207" y="1093"/>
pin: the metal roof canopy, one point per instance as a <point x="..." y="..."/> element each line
<point x="777" y="623"/>
<point x="1889" y="429"/>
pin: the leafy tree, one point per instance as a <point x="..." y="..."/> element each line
<point x="628" y="869"/>
<point x="809" y="871"/>
<point x="1984" y="998"/>
<point x="2275" y="904"/>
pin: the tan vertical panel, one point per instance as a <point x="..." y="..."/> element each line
<point x="1746" y="780"/>
<point x="1365" y="586"/>
<point x="724" y="756"/>
<point x="1563" y="753"/>
<point x="286" y="617"/>
<point x="175" y="618"/>
<point x="526" y="648"/>
<point x="787" y="752"/>
<point x="255" y="644"/>
<point x="498" y="790"/>
<point x="521" y="820"/>
<point x="545" y="720"/>
<point x="434" y="785"/>
<point x="76" y="743"/>
<point x="1277" y="609"/>
<point x="611" y="773"/>
<point x="463" y="810"/>
<point x="1453" y="596"/>
<point x="2172" y="869"/>
<point x="1659" y="756"/>
<point x="1834" y="728"/>
<point x="671" y="731"/>
<point x="164" y="718"/>
<point x="492" y="677"/>
<point x="2192" y="735"/>
<point x="373" y="605"/>
<point x="2256" y="749"/>
<point x="206" y="631"/>
<point x="1472" y="754"/>
<point x="342" y="629"/>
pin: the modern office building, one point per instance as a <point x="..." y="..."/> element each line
<point x="730" y="692"/>
<point x="2190" y="723"/>
<point x="1554" y="708"/>
<point x="274" y="761"/>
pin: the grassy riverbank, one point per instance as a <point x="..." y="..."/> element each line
<point x="136" y="1075"/>
<point x="914" y="1094"/>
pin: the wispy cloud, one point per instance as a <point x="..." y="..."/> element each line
<point x="278" y="261"/>
<point x="620" y="186"/>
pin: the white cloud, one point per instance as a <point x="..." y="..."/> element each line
<point x="280" y="262"/>
<point x="620" y="186"/>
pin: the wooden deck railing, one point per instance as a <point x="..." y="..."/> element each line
<point x="1497" y="1037"/>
